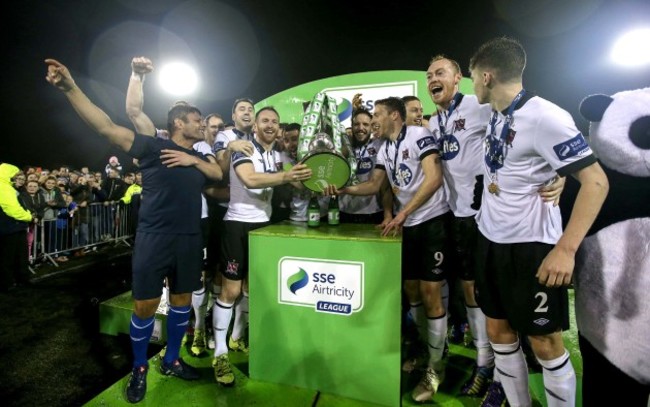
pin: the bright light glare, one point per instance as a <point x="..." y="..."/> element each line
<point x="632" y="48"/>
<point x="178" y="78"/>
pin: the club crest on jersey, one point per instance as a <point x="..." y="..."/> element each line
<point x="405" y="155"/>
<point x="459" y="124"/>
<point x="403" y="175"/>
<point x="232" y="267"/>
<point x="510" y="137"/>
<point x="372" y="151"/>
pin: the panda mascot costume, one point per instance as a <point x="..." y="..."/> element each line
<point x="612" y="273"/>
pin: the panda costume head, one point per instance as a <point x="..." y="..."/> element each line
<point x="612" y="274"/>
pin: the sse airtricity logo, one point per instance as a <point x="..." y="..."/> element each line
<point x="297" y="281"/>
<point x="344" y="109"/>
<point x="330" y="286"/>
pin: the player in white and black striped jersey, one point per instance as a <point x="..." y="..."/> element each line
<point x="524" y="259"/>
<point x="252" y="179"/>
<point x="409" y="162"/>
<point x="364" y="209"/>
<point x="459" y="128"/>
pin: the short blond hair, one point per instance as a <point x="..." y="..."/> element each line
<point x="453" y="62"/>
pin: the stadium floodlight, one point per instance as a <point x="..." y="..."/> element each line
<point x="178" y="78"/>
<point x="632" y="49"/>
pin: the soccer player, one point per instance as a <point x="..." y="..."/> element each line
<point x="252" y="179"/>
<point x="524" y="259"/>
<point x="365" y="209"/>
<point x="410" y="163"/>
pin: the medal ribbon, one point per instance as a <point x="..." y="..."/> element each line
<point x="400" y="137"/>
<point x="444" y="135"/>
<point x="496" y="145"/>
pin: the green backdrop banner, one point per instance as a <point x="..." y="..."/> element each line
<point x="373" y="85"/>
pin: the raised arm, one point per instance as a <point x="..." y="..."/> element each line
<point x="140" y="66"/>
<point x="59" y="76"/>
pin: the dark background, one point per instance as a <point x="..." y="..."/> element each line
<point x="258" y="48"/>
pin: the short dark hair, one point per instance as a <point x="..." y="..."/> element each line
<point x="504" y="55"/>
<point x="292" y="127"/>
<point x="270" y="108"/>
<point x="211" y="115"/>
<point x="180" y="111"/>
<point x="407" y="99"/>
<point x="440" y="57"/>
<point x="393" y="104"/>
<point x="240" y="100"/>
<point x="361" y="111"/>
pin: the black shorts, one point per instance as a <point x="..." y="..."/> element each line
<point x="424" y="248"/>
<point x="506" y="287"/>
<point x="215" y="234"/>
<point x="235" y="248"/>
<point x="156" y="256"/>
<point x="462" y="236"/>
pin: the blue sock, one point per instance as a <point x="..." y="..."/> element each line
<point x="140" y="331"/>
<point x="177" y="320"/>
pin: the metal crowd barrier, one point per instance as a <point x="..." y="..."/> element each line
<point x="102" y="223"/>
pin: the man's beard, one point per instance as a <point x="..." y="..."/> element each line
<point x="357" y="143"/>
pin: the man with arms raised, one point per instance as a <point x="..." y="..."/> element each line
<point x="141" y="66"/>
<point x="168" y="242"/>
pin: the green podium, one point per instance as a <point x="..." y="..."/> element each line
<point x="325" y="309"/>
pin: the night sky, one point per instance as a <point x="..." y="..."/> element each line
<point x="258" y="48"/>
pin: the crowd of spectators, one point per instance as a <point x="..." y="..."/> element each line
<point x="70" y="208"/>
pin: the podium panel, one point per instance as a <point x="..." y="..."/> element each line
<point x="325" y="309"/>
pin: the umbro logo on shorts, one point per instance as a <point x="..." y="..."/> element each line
<point x="541" y="321"/>
<point x="436" y="271"/>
